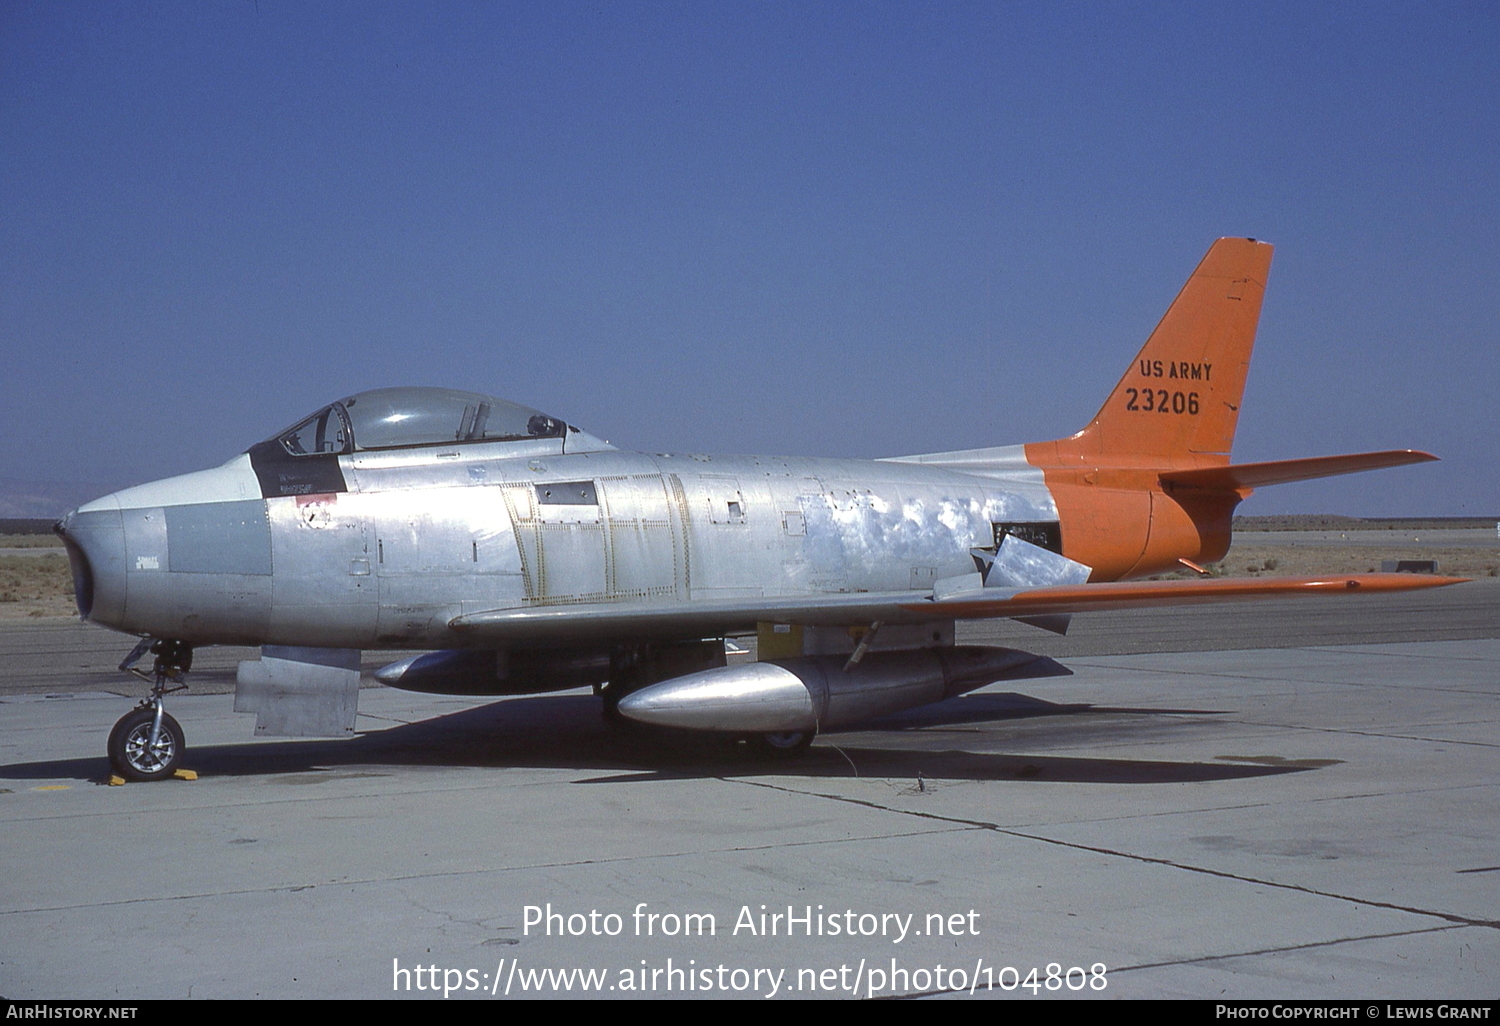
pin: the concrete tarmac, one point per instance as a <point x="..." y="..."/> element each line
<point x="1267" y="811"/>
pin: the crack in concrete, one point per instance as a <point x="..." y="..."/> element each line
<point x="1364" y="650"/>
<point x="1231" y="955"/>
<point x="1074" y="663"/>
<point x="480" y="924"/>
<point x="1146" y="859"/>
<point x="1290" y="947"/>
<point x="455" y="873"/>
<point x="1233" y="808"/>
<point x="377" y="795"/>
<point x="1368" y="733"/>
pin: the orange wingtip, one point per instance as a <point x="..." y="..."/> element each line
<point x="1082" y="598"/>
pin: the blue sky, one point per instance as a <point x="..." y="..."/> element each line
<point x="821" y="229"/>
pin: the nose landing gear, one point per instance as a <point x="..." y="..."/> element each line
<point x="147" y="744"/>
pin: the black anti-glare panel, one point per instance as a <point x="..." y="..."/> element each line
<point x="281" y="473"/>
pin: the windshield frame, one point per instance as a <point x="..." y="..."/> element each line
<point x="426" y="407"/>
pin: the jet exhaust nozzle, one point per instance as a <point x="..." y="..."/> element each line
<point x="816" y="693"/>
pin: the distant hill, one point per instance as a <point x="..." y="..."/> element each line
<point x="1334" y="522"/>
<point x="24" y="500"/>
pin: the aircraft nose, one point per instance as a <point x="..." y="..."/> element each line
<point x="95" y="539"/>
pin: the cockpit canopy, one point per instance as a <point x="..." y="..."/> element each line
<point x="397" y="418"/>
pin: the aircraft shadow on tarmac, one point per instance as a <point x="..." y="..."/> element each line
<point x="567" y="732"/>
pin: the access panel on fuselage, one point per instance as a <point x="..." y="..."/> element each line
<point x="559" y="530"/>
<point x="325" y="588"/>
<point x="644" y="556"/>
<point x="727" y="553"/>
<point x="441" y="552"/>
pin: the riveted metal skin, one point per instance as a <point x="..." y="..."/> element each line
<point x="534" y="555"/>
<point x="421" y="539"/>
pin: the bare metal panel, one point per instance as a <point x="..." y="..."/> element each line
<point x="325" y="593"/>
<point x="572" y="561"/>
<point x="561" y="547"/>
<point x="644" y="557"/>
<point x="300" y="692"/>
<point x="787" y="490"/>
<point x="219" y="538"/>
<point x="567" y="493"/>
<point x="233" y="481"/>
<point x="99" y="537"/>
<point x="225" y="609"/>
<point x="429" y="531"/>
<point x="720" y="523"/>
<point x="438" y="553"/>
<point x="145" y="566"/>
<point x="145" y="539"/>
<point x="881" y="537"/>
<point x="962" y="584"/>
<point x="1020" y="564"/>
<point x="520" y="504"/>
<point x="1005" y="465"/>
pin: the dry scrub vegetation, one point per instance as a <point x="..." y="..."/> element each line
<point x="30" y="541"/>
<point x="1259" y="560"/>
<point x="35" y="586"/>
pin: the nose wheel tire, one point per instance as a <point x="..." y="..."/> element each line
<point x="131" y="752"/>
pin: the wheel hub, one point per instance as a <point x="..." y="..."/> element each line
<point x="142" y="754"/>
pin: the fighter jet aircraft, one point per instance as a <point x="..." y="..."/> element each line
<point x="519" y="553"/>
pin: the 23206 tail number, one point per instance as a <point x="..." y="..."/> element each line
<point x="1161" y="401"/>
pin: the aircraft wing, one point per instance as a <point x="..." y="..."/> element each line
<point x="1083" y="598"/>
<point x="676" y="620"/>
<point x="558" y="625"/>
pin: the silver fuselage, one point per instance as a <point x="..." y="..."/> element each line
<point x="417" y="537"/>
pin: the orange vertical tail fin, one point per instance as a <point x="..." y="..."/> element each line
<point x="1176" y="408"/>
<point x="1180" y="399"/>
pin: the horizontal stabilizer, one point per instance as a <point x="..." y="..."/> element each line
<point x="1256" y="475"/>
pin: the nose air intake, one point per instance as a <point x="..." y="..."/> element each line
<point x="95" y="541"/>
<point x="83" y="573"/>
